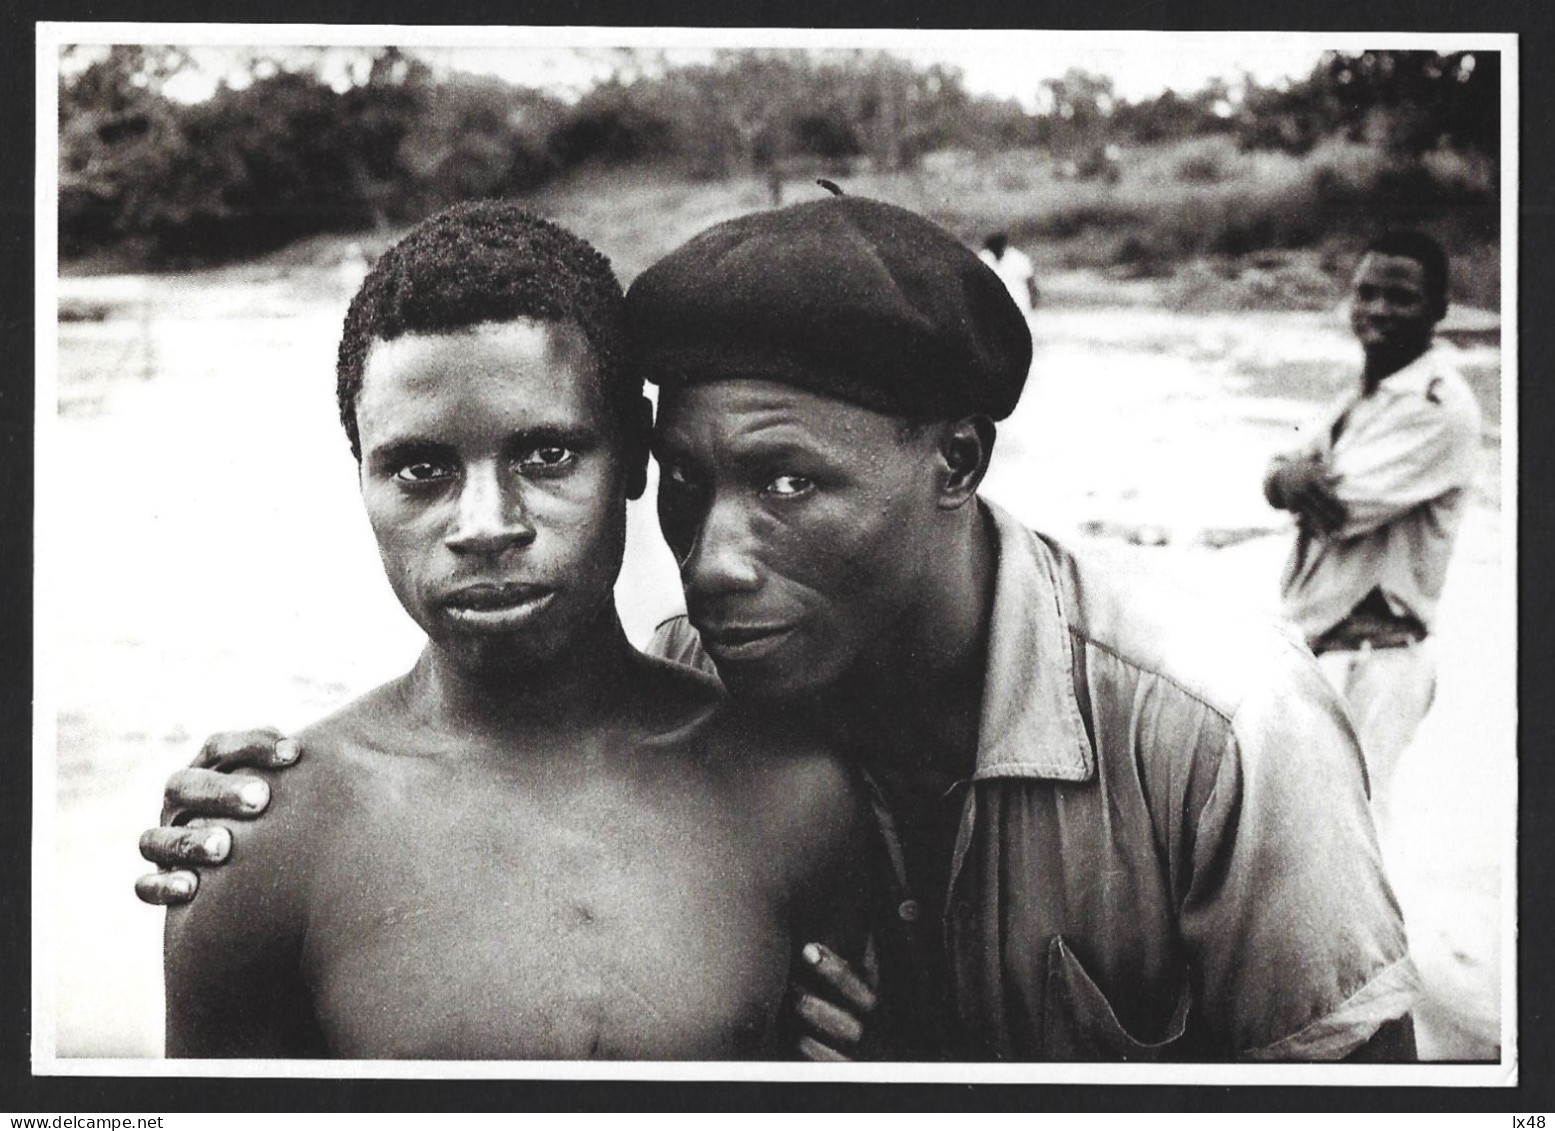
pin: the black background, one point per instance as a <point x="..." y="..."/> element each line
<point x="22" y="1093"/>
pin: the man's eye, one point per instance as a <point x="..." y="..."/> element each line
<point x="788" y="486"/>
<point x="549" y="458"/>
<point x="422" y="471"/>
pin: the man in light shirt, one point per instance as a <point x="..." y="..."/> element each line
<point x="1378" y="489"/>
<point x="1013" y="266"/>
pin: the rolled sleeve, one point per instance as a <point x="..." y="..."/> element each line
<point x="1425" y="450"/>
<point x="1297" y="937"/>
<point x="1332" y="1037"/>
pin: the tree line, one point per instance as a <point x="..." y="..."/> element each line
<point x="285" y="154"/>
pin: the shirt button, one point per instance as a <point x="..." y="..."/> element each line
<point x="909" y="911"/>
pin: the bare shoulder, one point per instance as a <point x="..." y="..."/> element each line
<point x="360" y="723"/>
<point x="738" y="745"/>
<point x="665" y="694"/>
<point x="256" y="901"/>
<point x="790" y="778"/>
<point x="785" y="782"/>
<point x="306" y="800"/>
<point x="334" y="751"/>
<point x="233" y="955"/>
<point x="808" y="810"/>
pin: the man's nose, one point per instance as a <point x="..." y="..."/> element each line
<point x="491" y="515"/>
<point x="720" y="559"/>
<point x="1375" y="306"/>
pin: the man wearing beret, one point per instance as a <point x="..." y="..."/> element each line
<point x="1120" y="823"/>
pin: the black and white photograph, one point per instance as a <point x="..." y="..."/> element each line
<point x="785" y="554"/>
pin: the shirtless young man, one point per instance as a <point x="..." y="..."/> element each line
<point x="538" y="843"/>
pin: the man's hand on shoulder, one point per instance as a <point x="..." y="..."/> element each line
<point x="193" y="796"/>
<point x="1305" y="486"/>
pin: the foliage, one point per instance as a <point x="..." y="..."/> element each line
<point x="246" y="169"/>
<point x="1404" y="101"/>
<point x="118" y="138"/>
<point x="284" y="153"/>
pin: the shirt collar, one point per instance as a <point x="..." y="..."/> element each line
<point x="1416" y="377"/>
<point x="1030" y="721"/>
<point x="1412" y="380"/>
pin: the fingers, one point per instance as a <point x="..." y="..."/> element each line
<point x="202" y="791"/>
<point x="266" y="748"/>
<point x="1328" y="511"/>
<point x="812" y="1049"/>
<point x="836" y="976"/>
<point x="186" y="846"/>
<point x="1290" y="481"/>
<point x="1319" y="508"/>
<point x="210" y="793"/>
<point x="166" y="889"/>
<point x="828" y="1023"/>
<point x="833" y="1010"/>
<point x="1279" y="485"/>
<point x="1307" y="507"/>
<point x="1334" y="509"/>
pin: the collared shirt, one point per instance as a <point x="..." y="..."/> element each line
<point x="1015" y="272"/>
<point x="1165" y="850"/>
<point x="1406" y="455"/>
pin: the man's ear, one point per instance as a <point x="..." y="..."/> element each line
<point x="636" y="439"/>
<point x="965" y="447"/>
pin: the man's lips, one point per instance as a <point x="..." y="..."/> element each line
<point x="740" y="642"/>
<point x="1384" y="327"/>
<point x="496" y="606"/>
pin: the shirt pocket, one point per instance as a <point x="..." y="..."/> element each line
<point x="1079" y="1023"/>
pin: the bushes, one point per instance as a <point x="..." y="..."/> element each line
<point x="607" y="127"/>
<point x="242" y="172"/>
<point x="289" y="155"/>
<point x="1257" y="207"/>
<point x="1202" y="169"/>
<point x="1238" y="204"/>
<point x="285" y="154"/>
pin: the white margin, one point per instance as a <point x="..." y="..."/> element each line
<point x="45" y="516"/>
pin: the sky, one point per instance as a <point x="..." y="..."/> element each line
<point x="1013" y="66"/>
<point x="567" y="61"/>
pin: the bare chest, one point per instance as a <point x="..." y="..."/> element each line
<point x="527" y="926"/>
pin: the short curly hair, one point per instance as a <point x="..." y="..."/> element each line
<point x="1424" y="251"/>
<point x="485" y="262"/>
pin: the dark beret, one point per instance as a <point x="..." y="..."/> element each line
<point x="845" y="297"/>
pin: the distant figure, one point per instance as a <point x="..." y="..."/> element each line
<point x="353" y="267"/>
<point x="1378" y="490"/>
<point x="1014" y="268"/>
